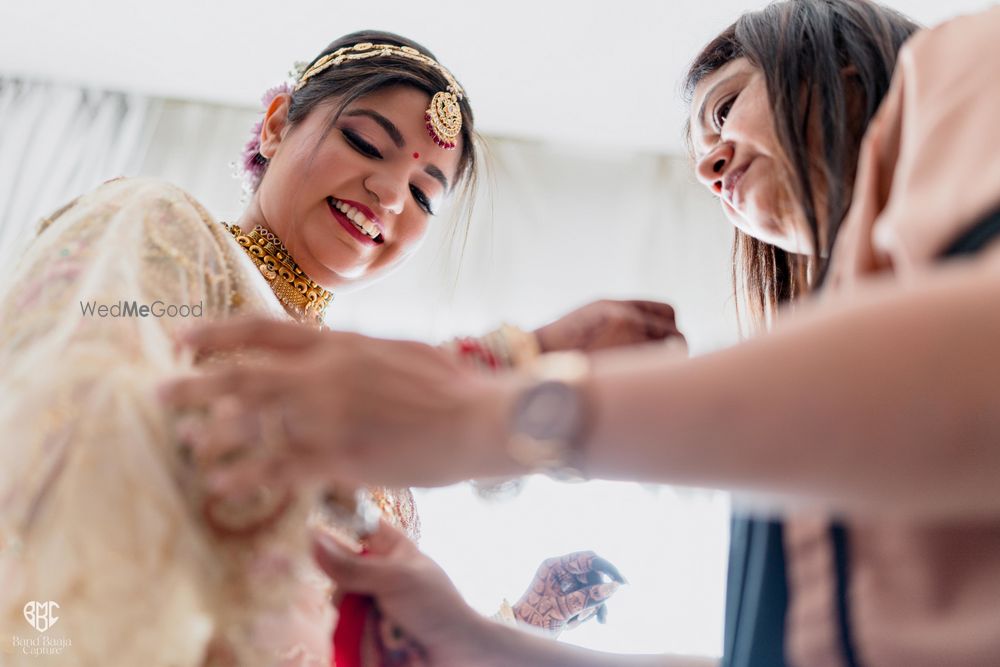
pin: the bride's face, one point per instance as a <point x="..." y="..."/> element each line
<point x="354" y="202"/>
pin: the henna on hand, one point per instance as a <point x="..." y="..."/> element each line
<point x="568" y="591"/>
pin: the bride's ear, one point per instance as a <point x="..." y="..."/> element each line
<point x="272" y="130"/>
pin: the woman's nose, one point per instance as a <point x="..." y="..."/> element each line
<point x="712" y="167"/>
<point x="389" y="196"/>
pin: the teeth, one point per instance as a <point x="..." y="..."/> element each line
<point x="358" y="218"/>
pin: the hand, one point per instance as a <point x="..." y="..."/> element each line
<point x="568" y="591"/>
<point x="412" y="593"/>
<point x="603" y="324"/>
<point x="328" y="406"/>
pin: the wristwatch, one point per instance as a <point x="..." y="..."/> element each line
<point x="549" y="418"/>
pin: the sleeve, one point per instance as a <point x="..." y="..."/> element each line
<point x="92" y="515"/>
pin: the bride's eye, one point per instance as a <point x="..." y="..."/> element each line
<point x="722" y="112"/>
<point x="421" y="199"/>
<point x="361" y="145"/>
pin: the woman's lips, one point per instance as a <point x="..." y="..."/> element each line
<point x="731" y="184"/>
<point x="345" y="222"/>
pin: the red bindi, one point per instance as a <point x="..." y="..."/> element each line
<point x="416" y="156"/>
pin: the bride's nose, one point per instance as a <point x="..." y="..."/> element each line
<point x="389" y="194"/>
<point x="712" y="167"/>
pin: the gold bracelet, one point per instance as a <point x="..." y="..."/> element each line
<point x="522" y="346"/>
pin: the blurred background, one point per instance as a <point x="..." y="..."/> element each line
<point x="588" y="193"/>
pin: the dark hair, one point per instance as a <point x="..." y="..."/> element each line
<point x="827" y="65"/>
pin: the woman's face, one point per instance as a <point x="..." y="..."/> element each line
<point x="740" y="160"/>
<point x="355" y="203"/>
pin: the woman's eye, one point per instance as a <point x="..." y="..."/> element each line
<point x="422" y="199"/>
<point x="361" y="145"/>
<point x="722" y="112"/>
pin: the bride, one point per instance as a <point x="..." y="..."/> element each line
<point x="106" y="523"/>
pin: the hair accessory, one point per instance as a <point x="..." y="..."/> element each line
<point x="443" y="117"/>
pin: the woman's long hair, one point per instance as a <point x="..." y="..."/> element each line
<point x="827" y="64"/>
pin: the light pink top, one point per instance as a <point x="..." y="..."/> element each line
<point x="921" y="595"/>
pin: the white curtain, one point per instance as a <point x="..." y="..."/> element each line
<point x="57" y="141"/>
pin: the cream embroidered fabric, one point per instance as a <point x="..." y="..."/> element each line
<point x="99" y="511"/>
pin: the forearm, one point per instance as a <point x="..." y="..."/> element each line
<point x="888" y="402"/>
<point x="504" y="646"/>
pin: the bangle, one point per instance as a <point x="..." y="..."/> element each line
<point x="522" y="346"/>
<point x="512" y="346"/>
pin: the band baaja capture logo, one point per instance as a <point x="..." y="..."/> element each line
<point x="42" y="617"/>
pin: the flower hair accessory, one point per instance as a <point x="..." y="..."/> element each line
<point x="443" y="117"/>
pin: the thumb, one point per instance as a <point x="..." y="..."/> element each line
<point x="599" y="593"/>
<point x="386" y="539"/>
<point x="350" y="570"/>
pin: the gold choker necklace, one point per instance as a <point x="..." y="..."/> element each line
<point x="295" y="290"/>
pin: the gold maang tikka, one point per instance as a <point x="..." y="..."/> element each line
<point x="443" y="117"/>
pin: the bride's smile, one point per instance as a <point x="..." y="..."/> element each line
<point x="358" y="220"/>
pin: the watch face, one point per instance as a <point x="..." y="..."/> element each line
<point x="549" y="411"/>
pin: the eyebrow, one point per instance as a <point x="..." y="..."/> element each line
<point x="387" y="125"/>
<point x="436" y="174"/>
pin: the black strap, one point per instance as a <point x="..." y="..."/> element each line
<point x="842" y="567"/>
<point x="756" y="595"/>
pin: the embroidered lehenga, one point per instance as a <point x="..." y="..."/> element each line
<point x="101" y="512"/>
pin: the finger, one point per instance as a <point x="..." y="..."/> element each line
<point x="253" y="331"/>
<point x="352" y="572"/>
<point x="602" y="614"/>
<point x="654" y="308"/>
<point x="583" y="617"/>
<point x="221" y="438"/>
<point x="604" y="566"/>
<point x="589" y="597"/>
<point x="386" y="539"/>
<point x="659" y="329"/>
<point x="588" y="579"/>
<point x="198" y="391"/>
<point x="243" y="476"/>
<point x="578" y="562"/>
<point x="601" y="592"/>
